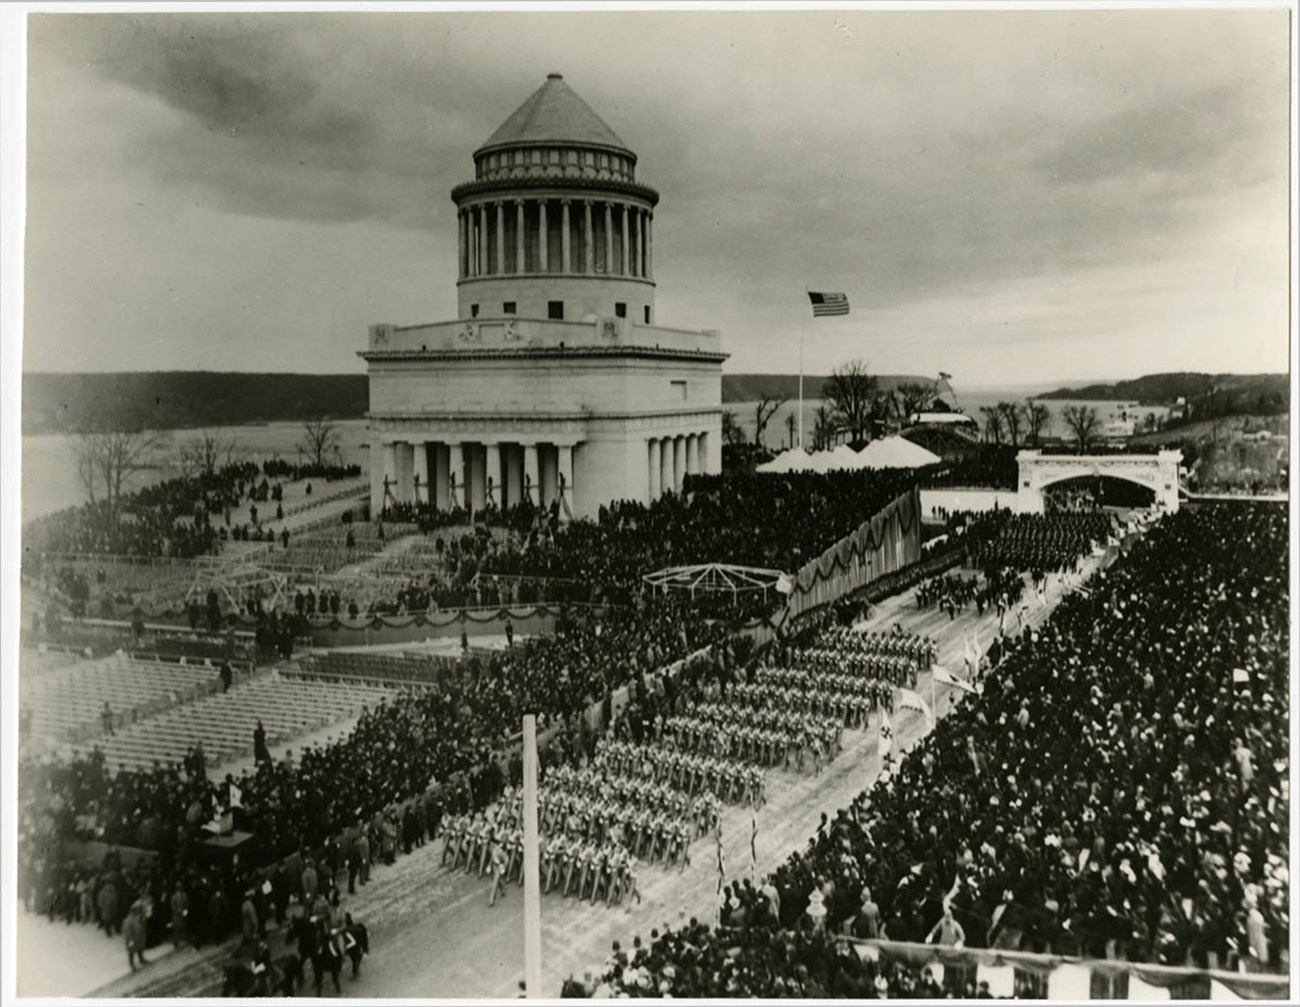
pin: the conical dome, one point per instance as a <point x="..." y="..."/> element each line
<point x="554" y="114"/>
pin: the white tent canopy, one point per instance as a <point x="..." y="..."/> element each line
<point x="886" y="453"/>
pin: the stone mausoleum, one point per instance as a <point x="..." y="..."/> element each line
<point x="554" y="383"/>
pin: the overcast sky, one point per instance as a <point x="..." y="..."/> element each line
<point x="1015" y="198"/>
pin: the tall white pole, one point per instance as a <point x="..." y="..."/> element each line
<point x="802" y="327"/>
<point x="532" y="883"/>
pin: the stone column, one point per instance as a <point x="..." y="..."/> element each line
<point x="494" y="486"/>
<point x="471" y="226"/>
<point x="622" y="257"/>
<point x="566" y="242"/>
<point x="649" y="245"/>
<point x="462" y="244"/>
<point x="420" y="477"/>
<point x="692" y="454"/>
<point x="636" y="242"/>
<point x="520" y="260"/>
<point x="501" y="237"/>
<point x="390" y="474"/>
<point x="564" y="477"/>
<point x="609" y="239"/>
<point x="543" y="245"/>
<point x="405" y="475"/>
<point x="655" y="468"/>
<point x="456" y="474"/>
<point x="666" y="465"/>
<point x="532" y="474"/>
<point x="588" y="245"/>
<point x="679" y="461"/>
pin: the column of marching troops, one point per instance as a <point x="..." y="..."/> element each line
<point x="651" y="801"/>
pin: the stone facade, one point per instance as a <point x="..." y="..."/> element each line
<point x="1158" y="472"/>
<point x="554" y="383"/>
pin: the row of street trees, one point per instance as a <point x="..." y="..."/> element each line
<point x="854" y="406"/>
<point x="1005" y="422"/>
<point x="107" y="458"/>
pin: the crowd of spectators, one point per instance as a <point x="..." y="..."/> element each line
<point x="1118" y="788"/>
<point x="171" y="517"/>
<point x="458" y="727"/>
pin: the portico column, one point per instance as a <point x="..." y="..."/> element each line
<point x="692" y="454"/>
<point x="609" y="238"/>
<point x="390" y="474"/>
<point x="588" y="245"/>
<point x="404" y="479"/>
<point x="679" y="461"/>
<point x="501" y="236"/>
<point x="456" y="474"/>
<point x="622" y="256"/>
<point x="532" y="474"/>
<point x="566" y="243"/>
<point x="520" y="261"/>
<point x="543" y="245"/>
<point x="421" y="474"/>
<point x="666" y="465"/>
<point x="564" y="477"/>
<point x="649" y="245"/>
<point x="654" y="450"/>
<point x="495" y="496"/>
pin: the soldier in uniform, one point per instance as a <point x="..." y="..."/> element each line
<point x="499" y="867"/>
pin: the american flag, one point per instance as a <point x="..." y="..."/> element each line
<point x="828" y="304"/>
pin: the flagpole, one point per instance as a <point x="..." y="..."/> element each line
<point x="803" y="326"/>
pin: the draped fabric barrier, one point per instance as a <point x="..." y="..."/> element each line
<point x="1025" y="974"/>
<point x="889" y="541"/>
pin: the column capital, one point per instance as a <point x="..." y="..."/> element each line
<point x="518" y="201"/>
<point x="565" y="200"/>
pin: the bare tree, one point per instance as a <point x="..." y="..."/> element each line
<point x="107" y="459"/>
<point x="992" y="424"/>
<point x="1037" y="416"/>
<point x="320" y="440"/>
<point x="912" y="397"/>
<point x="1011" y="421"/>
<point x="823" y="428"/>
<point x="731" y="432"/>
<point x="767" y="407"/>
<point x="853" y="394"/>
<point x="209" y="454"/>
<point x="1083" y="423"/>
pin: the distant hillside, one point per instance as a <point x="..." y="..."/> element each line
<point x="750" y="387"/>
<point x="60" y="403"/>
<point x="1253" y="392"/>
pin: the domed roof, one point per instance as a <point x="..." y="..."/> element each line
<point x="554" y="113"/>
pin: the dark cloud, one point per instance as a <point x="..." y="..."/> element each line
<point x="912" y="159"/>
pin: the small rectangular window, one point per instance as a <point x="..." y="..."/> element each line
<point x="620" y="309"/>
<point x="647" y="314"/>
<point x="679" y="390"/>
<point x="555" y="309"/>
<point x="508" y="308"/>
<point x="473" y="311"/>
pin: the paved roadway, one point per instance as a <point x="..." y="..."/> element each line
<point x="433" y="934"/>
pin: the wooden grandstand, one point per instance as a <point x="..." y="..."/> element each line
<point x="287" y="706"/>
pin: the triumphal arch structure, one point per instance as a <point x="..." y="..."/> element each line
<point x="1157" y="472"/>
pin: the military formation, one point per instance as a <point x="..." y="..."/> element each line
<point x="765" y="736"/>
